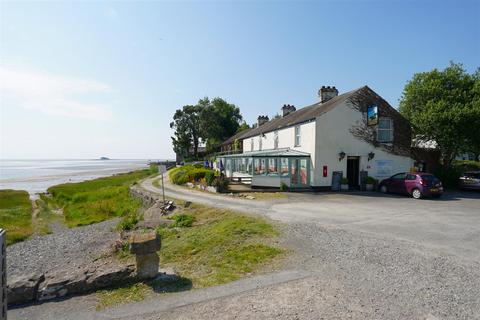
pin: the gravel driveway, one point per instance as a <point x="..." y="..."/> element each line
<point x="354" y="257"/>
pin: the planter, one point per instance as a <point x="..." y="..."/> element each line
<point x="344" y="187"/>
<point x="369" y="187"/>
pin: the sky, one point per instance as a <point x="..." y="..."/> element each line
<point x="81" y="80"/>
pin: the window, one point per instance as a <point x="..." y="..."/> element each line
<point x="251" y="144"/>
<point x="297" y="136"/>
<point x="272" y="167"/>
<point x="275" y="140"/>
<point x="260" y="142"/>
<point x="385" y="130"/>
<point x="284" y="167"/>
<point x="400" y="176"/>
<point x="411" y="177"/>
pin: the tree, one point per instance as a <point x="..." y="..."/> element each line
<point x="186" y="123"/>
<point x="444" y="106"/>
<point x="219" y="120"/>
<point x="244" y="126"/>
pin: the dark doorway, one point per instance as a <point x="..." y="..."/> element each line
<point x="353" y="166"/>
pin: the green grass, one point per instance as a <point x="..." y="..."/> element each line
<point x="96" y="200"/>
<point x="220" y="246"/>
<point x="16" y="215"/>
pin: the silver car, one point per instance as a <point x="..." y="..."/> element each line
<point x="470" y="180"/>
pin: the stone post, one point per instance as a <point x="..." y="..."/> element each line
<point x="145" y="246"/>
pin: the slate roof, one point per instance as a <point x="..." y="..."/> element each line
<point x="236" y="136"/>
<point x="300" y="116"/>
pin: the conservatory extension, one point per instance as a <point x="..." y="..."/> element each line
<point x="269" y="168"/>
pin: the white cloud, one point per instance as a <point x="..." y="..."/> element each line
<point x="52" y="94"/>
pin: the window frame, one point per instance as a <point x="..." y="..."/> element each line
<point x="390" y="130"/>
<point x="298" y="136"/>
<point x="260" y="143"/>
<point x="252" y="144"/>
<point x="275" y="139"/>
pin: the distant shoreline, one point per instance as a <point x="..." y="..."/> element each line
<point x="36" y="176"/>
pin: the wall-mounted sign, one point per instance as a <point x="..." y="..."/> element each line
<point x="372" y="115"/>
<point x="384" y="168"/>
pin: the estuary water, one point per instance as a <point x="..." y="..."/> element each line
<point x="36" y="176"/>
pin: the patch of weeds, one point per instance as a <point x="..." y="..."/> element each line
<point x="183" y="220"/>
<point x="129" y="221"/>
<point x="16" y="215"/>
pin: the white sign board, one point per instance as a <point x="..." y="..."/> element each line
<point x="162" y="168"/>
<point x="384" y="168"/>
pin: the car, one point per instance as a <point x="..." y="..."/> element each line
<point x="470" y="180"/>
<point x="418" y="185"/>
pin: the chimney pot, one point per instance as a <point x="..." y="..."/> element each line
<point x="262" y="120"/>
<point x="327" y="93"/>
<point x="287" y="109"/>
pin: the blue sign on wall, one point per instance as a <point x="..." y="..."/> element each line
<point x="372" y="115"/>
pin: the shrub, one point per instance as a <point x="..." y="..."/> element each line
<point x="128" y="222"/>
<point x="344" y="181"/>
<point x="370" y="180"/>
<point x="221" y="183"/>
<point x="283" y="187"/>
<point x="183" y="220"/>
<point x="188" y="173"/>
<point x="209" y="177"/>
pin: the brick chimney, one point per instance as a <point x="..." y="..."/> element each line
<point x="261" y="120"/>
<point x="287" y="109"/>
<point x="327" y="93"/>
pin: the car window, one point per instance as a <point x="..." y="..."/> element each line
<point x="411" y="177"/>
<point x="428" y="177"/>
<point x="400" y="176"/>
<point x="472" y="175"/>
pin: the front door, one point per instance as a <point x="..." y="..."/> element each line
<point x="353" y="166"/>
<point x="299" y="173"/>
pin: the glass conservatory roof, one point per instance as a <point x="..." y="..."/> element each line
<point x="285" y="152"/>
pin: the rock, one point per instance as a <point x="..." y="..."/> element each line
<point x="147" y="265"/>
<point x="250" y="197"/>
<point x="109" y="276"/>
<point x="145" y="243"/>
<point x="153" y="223"/>
<point x="23" y="289"/>
<point x="187" y="204"/>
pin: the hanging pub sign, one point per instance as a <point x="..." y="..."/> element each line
<point x="372" y="115"/>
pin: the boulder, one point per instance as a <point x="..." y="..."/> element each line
<point x="145" y="243"/>
<point x="23" y="289"/>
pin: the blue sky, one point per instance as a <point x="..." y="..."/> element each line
<point x="91" y="79"/>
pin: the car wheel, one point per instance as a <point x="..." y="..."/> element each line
<point x="383" y="189"/>
<point x="416" y="194"/>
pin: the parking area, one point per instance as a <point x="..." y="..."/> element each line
<point x="450" y="224"/>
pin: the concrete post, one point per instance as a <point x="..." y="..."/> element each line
<point x="3" y="275"/>
<point x="145" y="247"/>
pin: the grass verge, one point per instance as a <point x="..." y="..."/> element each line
<point x="16" y="215"/>
<point x="96" y="200"/>
<point x="216" y="246"/>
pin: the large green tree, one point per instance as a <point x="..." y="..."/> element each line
<point x="444" y="106"/>
<point x="186" y="123"/>
<point x="219" y="120"/>
<point x="209" y="121"/>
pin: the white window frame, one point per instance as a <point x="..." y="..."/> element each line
<point x="275" y="139"/>
<point x="298" y="136"/>
<point x="390" y="130"/>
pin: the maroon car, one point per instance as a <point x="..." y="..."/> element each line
<point x="417" y="185"/>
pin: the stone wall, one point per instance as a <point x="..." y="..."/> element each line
<point x="40" y="287"/>
<point x="147" y="198"/>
